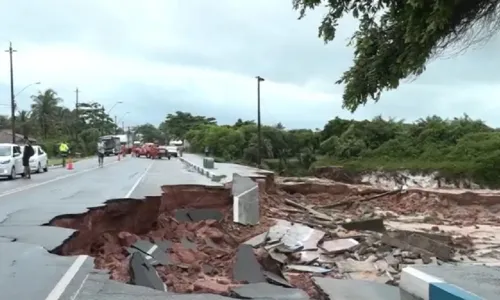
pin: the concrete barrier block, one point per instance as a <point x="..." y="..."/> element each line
<point x="245" y="200"/>
<point x="448" y="283"/>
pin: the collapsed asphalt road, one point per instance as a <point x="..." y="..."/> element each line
<point x="28" y="270"/>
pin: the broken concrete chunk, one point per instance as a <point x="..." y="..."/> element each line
<point x="276" y="279"/>
<point x="300" y="235"/>
<point x="144" y="274"/>
<point x="376" y="224"/>
<point x="279" y="257"/>
<point x="310" y="269"/>
<point x="164" y="245"/>
<point x="370" y="276"/>
<point x="152" y="250"/>
<point x="339" y="245"/>
<point x="392" y="261"/>
<point x="338" y="289"/>
<point x="418" y="243"/>
<point x="274" y="234"/>
<point x="247" y="268"/>
<point x="269" y="291"/>
<point x="350" y="265"/>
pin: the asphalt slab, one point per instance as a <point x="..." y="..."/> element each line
<point x="29" y="271"/>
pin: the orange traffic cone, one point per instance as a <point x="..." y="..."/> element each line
<point x="70" y="164"/>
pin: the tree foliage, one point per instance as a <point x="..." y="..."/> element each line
<point x="395" y="39"/>
<point x="177" y="125"/>
<point x="458" y="148"/>
<point x="51" y="123"/>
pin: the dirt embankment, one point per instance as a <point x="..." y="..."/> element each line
<point x="459" y="206"/>
<point x="392" y="179"/>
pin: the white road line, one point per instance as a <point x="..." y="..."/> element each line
<point x="153" y="249"/>
<point x="138" y="181"/>
<point x="60" y="287"/>
<point x="27" y="187"/>
<point x="80" y="287"/>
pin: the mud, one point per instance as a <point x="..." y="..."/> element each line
<point x="106" y="233"/>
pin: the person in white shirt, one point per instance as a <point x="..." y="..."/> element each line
<point x="100" y="153"/>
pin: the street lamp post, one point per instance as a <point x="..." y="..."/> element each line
<point x="259" y="134"/>
<point x="14" y="106"/>
<point x="121" y="119"/>
<point x="116" y="103"/>
<point x="24" y="88"/>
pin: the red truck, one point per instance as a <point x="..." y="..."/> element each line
<point x="150" y="150"/>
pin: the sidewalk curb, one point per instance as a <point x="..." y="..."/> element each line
<point x="211" y="175"/>
<point x="420" y="284"/>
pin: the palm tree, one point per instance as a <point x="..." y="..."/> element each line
<point x="44" y="109"/>
<point x="24" y="122"/>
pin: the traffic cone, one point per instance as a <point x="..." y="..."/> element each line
<point x="70" y="164"/>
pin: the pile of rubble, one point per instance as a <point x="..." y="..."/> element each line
<point x="313" y="235"/>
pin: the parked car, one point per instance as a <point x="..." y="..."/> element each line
<point x="11" y="163"/>
<point x="39" y="161"/>
<point x="173" y="150"/>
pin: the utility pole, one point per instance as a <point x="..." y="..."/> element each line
<point x="116" y="125"/>
<point x="259" y="134"/>
<point x="12" y="96"/>
<point x="77" y="93"/>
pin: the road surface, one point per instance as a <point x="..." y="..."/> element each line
<point x="28" y="271"/>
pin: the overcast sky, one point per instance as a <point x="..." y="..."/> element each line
<point x="160" y="56"/>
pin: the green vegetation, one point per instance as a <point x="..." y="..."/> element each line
<point x="51" y="123"/>
<point x="396" y="39"/>
<point x="459" y="148"/>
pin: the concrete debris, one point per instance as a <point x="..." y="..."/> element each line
<point x="370" y="224"/>
<point x="311" y="269"/>
<point x="335" y="289"/>
<point x="306" y="240"/>
<point x="246" y="267"/>
<point x="268" y="291"/>
<point x="144" y="274"/>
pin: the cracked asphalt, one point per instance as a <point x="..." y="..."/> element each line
<point x="29" y="271"/>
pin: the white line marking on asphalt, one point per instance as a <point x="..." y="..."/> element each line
<point x="75" y="267"/>
<point x="138" y="181"/>
<point x="80" y="287"/>
<point x="153" y="249"/>
<point x="63" y="283"/>
<point x="27" y="187"/>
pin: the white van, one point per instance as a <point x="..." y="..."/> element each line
<point x="11" y="161"/>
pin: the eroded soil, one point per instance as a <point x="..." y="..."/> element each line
<point x="107" y="232"/>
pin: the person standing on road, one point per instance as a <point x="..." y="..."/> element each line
<point x="63" y="151"/>
<point x="100" y="153"/>
<point x="27" y="154"/>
